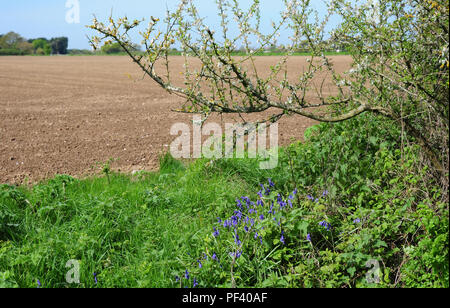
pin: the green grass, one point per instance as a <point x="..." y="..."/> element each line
<point x="132" y="231"/>
<point x="146" y="229"/>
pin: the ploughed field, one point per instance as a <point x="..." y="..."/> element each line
<point x="64" y="115"/>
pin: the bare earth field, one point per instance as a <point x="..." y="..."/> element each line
<point x="63" y="115"/>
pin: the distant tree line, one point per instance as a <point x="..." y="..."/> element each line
<point x="14" y="44"/>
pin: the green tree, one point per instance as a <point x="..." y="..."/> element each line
<point x="112" y="48"/>
<point x="43" y="46"/>
<point x="399" y="48"/>
<point x="11" y="40"/>
<point x="59" y="45"/>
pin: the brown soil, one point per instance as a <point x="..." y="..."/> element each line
<point x="63" y="115"/>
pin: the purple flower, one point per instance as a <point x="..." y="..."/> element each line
<point x="290" y="203"/>
<point x="219" y="220"/>
<point x="227" y="224"/>
<point x="186" y="275"/>
<point x="177" y="279"/>
<point x="216" y="232"/>
<point x="308" y="237"/>
<point x="260" y="203"/>
<point x="282" y="239"/>
<point x="271" y="184"/>
<point x="325" y="193"/>
<point x="271" y="211"/>
<point x="246" y="229"/>
<point x="295" y="191"/>
<point x="357" y="221"/>
<point x="325" y="225"/>
<point x="200" y="265"/>
<point x="237" y="240"/>
<point x="236" y="255"/>
<point x="38" y="283"/>
<point x="261" y="217"/>
<point x="214" y="257"/>
<point x="95" y="278"/>
<point x="310" y="197"/>
<point x="195" y="282"/>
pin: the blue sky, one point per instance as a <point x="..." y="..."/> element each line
<point x="47" y="18"/>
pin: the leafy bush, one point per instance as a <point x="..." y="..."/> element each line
<point x="359" y="200"/>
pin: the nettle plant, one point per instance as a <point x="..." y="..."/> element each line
<point x="399" y="48"/>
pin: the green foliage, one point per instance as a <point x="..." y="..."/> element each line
<point x="359" y="199"/>
<point x="112" y="48"/>
<point x="59" y="45"/>
<point x="42" y="47"/>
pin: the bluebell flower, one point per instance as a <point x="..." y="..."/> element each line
<point x="246" y="199"/>
<point x="279" y="198"/>
<point x="295" y="191"/>
<point x="195" y="282"/>
<point x="219" y="220"/>
<point x="214" y="257"/>
<point x="256" y="235"/>
<point x="282" y="240"/>
<point x="357" y="221"/>
<point x="310" y="197"/>
<point x="177" y="279"/>
<point x="38" y="283"/>
<point x="236" y="255"/>
<point x="234" y="221"/>
<point x="271" y="211"/>
<point x="186" y="275"/>
<point x="308" y="237"/>
<point x="261" y="217"/>
<point x="260" y="203"/>
<point x="237" y="240"/>
<point x="260" y="194"/>
<point x="325" y="193"/>
<point x="252" y="222"/>
<point x="246" y="229"/>
<point x="271" y="184"/>
<point x="216" y="232"/>
<point x="290" y="203"/>
<point x="95" y="278"/>
<point x="205" y="256"/>
<point x="200" y="265"/>
<point x="227" y="224"/>
<point x="325" y="225"/>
